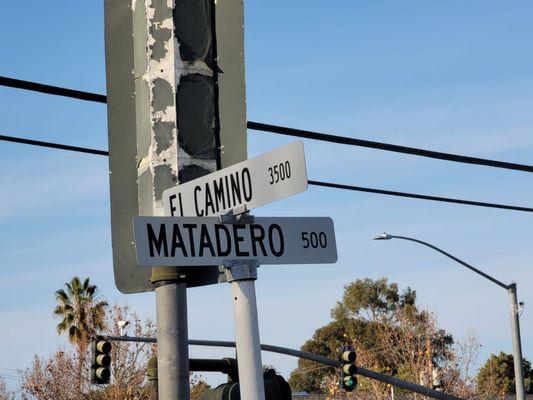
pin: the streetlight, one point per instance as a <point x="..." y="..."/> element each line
<point x="514" y="309"/>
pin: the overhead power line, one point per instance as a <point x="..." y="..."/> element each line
<point x="53" y="145"/>
<point x="257" y="126"/>
<point x="55" y="90"/>
<point x="388" y="147"/>
<point x="86" y="150"/>
<point x="420" y="196"/>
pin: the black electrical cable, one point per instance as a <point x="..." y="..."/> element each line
<point x="311" y="182"/>
<point x="54" y="90"/>
<point x="257" y="126"/>
<point x="420" y="196"/>
<point x="54" y="145"/>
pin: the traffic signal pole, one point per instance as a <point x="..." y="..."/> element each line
<point x="176" y="112"/>
<point x="400" y="383"/>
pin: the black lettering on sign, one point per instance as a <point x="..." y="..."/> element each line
<point x="177" y="242"/>
<point x="219" y="194"/>
<point x="227" y="251"/>
<point x="205" y="242"/>
<point x="246" y="184"/>
<point x="281" y="248"/>
<point x="190" y="228"/>
<point x="160" y="242"/>
<point x="235" y="188"/>
<point x="173" y="207"/>
<point x="227" y="191"/>
<point x="237" y="238"/>
<point x="257" y="239"/>
<point x="208" y="201"/>
<point x="279" y="172"/>
<point x="196" y="190"/>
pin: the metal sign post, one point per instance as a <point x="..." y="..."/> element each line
<point x="241" y="274"/>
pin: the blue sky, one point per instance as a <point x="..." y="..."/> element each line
<point x="451" y="76"/>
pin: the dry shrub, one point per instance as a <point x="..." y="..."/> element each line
<point x="58" y="377"/>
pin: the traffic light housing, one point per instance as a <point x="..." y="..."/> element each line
<point x="101" y="361"/>
<point x="348" y="369"/>
<point x="276" y="388"/>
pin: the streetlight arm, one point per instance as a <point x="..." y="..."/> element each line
<point x="470" y="267"/>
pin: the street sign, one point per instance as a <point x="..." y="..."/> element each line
<point x="246" y="185"/>
<point x="197" y="241"/>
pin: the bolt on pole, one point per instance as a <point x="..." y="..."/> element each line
<point x="517" y="345"/>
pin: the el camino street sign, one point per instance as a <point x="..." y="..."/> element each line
<point x="246" y="185"/>
<point x="198" y="241"/>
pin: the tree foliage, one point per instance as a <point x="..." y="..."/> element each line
<point x="65" y="374"/>
<point x="4" y="393"/>
<point x="390" y="334"/>
<point x="497" y="379"/>
<point x="81" y="311"/>
<point x="198" y="386"/>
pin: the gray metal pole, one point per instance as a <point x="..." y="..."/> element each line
<point x="172" y="341"/>
<point x="242" y="279"/>
<point x="151" y="372"/>
<point x="517" y="345"/>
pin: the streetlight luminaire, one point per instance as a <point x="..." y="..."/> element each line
<point x="383" y="236"/>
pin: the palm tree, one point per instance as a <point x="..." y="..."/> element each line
<point x="82" y="311"/>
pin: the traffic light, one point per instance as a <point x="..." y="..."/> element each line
<point x="101" y="362"/>
<point x="276" y="388"/>
<point x="348" y="378"/>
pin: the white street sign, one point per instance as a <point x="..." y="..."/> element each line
<point x="197" y="241"/>
<point x="246" y="185"/>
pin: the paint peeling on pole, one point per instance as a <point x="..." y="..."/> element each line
<point x="182" y="95"/>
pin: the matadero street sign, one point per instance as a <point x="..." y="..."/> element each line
<point x="246" y="185"/>
<point x="198" y="241"/>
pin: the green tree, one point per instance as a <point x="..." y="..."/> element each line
<point x="496" y="377"/>
<point x="81" y="310"/>
<point x="82" y="314"/>
<point x="385" y="327"/>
